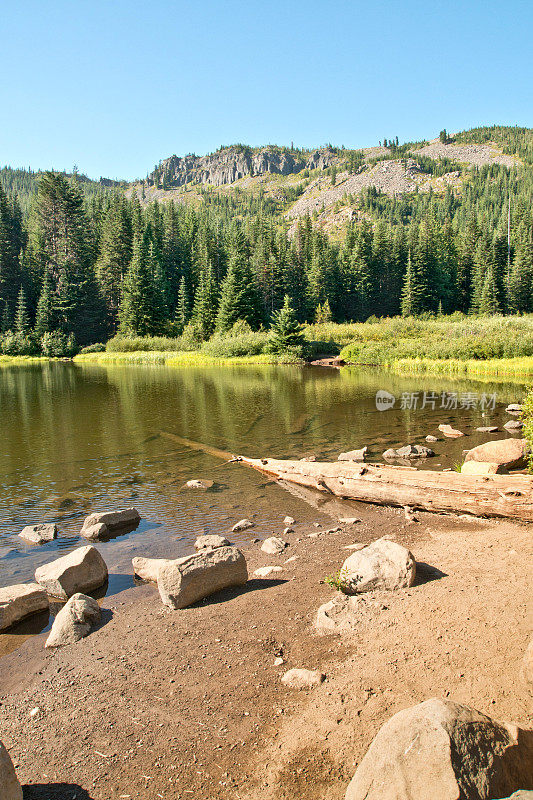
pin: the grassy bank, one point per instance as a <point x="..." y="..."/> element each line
<point x="184" y="359"/>
<point x="520" y="368"/>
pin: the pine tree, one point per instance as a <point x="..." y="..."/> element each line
<point x="286" y="331"/>
<point x="182" y="307"/>
<point x="412" y="293"/>
<point x="239" y="299"/>
<point x="22" y="322"/>
<point x="488" y="301"/>
<point x="114" y="256"/>
<point x="45" y="320"/>
<point x="204" y="312"/>
<point x="140" y="312"/>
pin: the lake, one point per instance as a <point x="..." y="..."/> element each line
<point x="82" y="438"/>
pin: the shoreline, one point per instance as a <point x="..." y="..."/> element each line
<point x="519" y="369"/>
<point x="173" y="704"/>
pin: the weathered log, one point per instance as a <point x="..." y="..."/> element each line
<point x="509" y="496"/>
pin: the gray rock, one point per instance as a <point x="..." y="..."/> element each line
<point x="439" y="749"/>
<point x="20" y="601"/>
<point x="353" y="455"/>
<point x="115" y="520"/>
<point x="242" y="525"/>
<point x="10" y="788"/>
<point x="95" y="532"/>
<point x="39" y="534"/>
<point x="80" y="571"/>
<point x="381" y="565"/>
<point x="74" y="621"/>
<point x="488" y="429"/>
<point x="514" y="408"/>
<point x="211" y="540"/>
<point x="274" y="546"/>
<point x="289" y="521"/>
<point x="409" y="451"/>
<point x="514" y="425"/>
<point x="302" y="678"/>
<point x="187" y="580"/>
<point x="431" y="438"/>
<point x="200" y="484"/>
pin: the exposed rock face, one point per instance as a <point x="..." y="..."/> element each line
<point x="273" y="546"/>
<point x="10" y="788"/>
<point x="148" y="568"/>
<point x="439" y="749"/>
<point x="39" y="534"/>
<point x="80" y="571"/>
<point x="381" y="565"/>
<point x="19" y="601"/>
<point x="115" y="520"/>
<point x="74" y="621"/>
<point x="187" y="580"/>
<point x="211" y="540"/>
<point x="232" y="163"/>
<point x="509" y="453"/>
<point x="302" y="678"/>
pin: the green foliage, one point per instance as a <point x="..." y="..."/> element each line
<point x="58" y="345"/>
<point x="98" y="347"/>
<point x="527" y="419"/>
<point x="18" y="344"/>
<point x="123" y="344"/>
<point x="286" y="332"/>
<point x="336" y="581"/>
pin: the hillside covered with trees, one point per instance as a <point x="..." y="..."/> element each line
<point x="81" y="261"/>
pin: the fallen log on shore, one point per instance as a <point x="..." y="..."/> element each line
<point x="508" y="496"/>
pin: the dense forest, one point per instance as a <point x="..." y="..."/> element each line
<point x="81" y="262"/>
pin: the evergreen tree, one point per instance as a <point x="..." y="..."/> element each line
<point x="204" y="312"/>
<point x="45" y="320"/>
<point x="286" y="331"/>
<point x="22" y="322"/>
<point x="488" y="301"/>
<point x="140" y="312"/>
<point x="412" y="292"/>
<point x="182" y="307"/>
<point x="114" y="257"/>
<point x="239" y="299"/>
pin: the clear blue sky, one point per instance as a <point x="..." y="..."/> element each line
<point x="116" y="85"/>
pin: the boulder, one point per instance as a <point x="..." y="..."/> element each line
<point x="128" y="517"/>
<point x="95" y="532"/>
<point x="381" y="565"/>
<point x="527" y="666"/>
<point x="211" y="540"/>
<point x="509" y="453"/>
<point x="264" y="572"/>
<point x="80" y="571"/>
<point x="147" y="569"/>
<point x="302" y="678"/>
<point x="242" y="525"/>
<point x="187" y="580"/>
<point x="481" y="468"/>
<point x="200" y="484"/>
<point x="39" y="534"/>
<point x="353" y="455"/>
<point x="74" y="621"/>
<point x="488" y="429"/>
<point x="451" y="433"/>
<point x="273" y="546"/>
<point x="10" y="788"/>
<point x="439" y="749"/>
<point x="19" y="601"/>
<point x="514" y="425"/>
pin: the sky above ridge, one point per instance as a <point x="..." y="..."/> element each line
<point x="116" y="86"/>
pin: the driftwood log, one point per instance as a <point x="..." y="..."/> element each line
<point x="508" y="496"/>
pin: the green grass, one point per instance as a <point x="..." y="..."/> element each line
<point x="472" y="368"/>
<point x="8" y="360"/>
<point x="184" y="359"/>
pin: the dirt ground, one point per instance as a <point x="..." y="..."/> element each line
<point x="177" y="704"/>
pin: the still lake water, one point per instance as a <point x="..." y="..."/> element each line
<point x="79" y="438"/>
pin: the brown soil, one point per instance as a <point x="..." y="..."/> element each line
<point x="178" y="704"/>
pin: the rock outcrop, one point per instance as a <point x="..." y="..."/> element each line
<point x="187" y="580"/>
<point x="39" y="534"/>
<point x="509" y="453"/>
<point x="381" y="565"/>
<point x="10" y="788"/>
<point x="83" y="570"/>
<point x="439" y="749"/>
<point x="20" y="601"/>
<point x="74" y="621"/>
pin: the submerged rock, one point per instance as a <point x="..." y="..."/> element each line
<point x="74" y="621"/>
<point x="200" y="483"/>
<point x="514" y="425"/>
<point x="80" y="571"/>
<point x="381" y="565"/>
<point x="39" y="534"/>
<point x="439" y="749"/>
<point x="115" y="520"/>
<point x="451" y="433"/>
<point x="20" y="601"/>
<point x="242" y="525"/>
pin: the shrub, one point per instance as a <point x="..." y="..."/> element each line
<point x="18" y="344"/>
<point x="248" y="343"/>
<point x="93" y="348"/>
<point x="58" y="345"/>
<point x="124" y="344"/>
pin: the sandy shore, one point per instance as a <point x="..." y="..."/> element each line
<point x="189" y="704"/>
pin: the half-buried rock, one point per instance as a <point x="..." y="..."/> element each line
<point x="74" y="621"/>
<point x="187" y="580"/>
<point x="443" y="751"/>
<point x="509" y="453"/>
<point x="20" y="601"/>
<point x="381" y="565"/>
<point x="10" y="788"/>
<point x="83" y="570"/>
<point x="39" y="534"/>
<point x="113" y="521"/>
